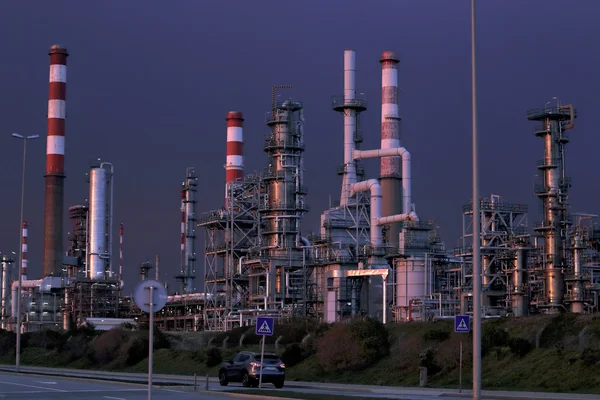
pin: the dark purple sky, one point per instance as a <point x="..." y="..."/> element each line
<point x="150" y="82"/>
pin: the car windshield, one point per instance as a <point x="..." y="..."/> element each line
<point x="268" y="359"/>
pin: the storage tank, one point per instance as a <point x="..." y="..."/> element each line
<point x="412" y="280"/>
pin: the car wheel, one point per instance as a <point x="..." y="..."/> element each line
<point x="223" y="381"/>
<point x="246" y="380"/>
<point x="279" y="384"/>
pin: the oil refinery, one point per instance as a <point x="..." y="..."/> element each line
<point x="373" y="254"/>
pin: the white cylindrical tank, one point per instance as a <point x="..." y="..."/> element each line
<point x="98" y="239"/>
<point x="411" y="280"/>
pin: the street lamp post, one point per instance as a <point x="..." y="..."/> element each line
<point x="476" y="226"/>
<point x="19" y="265"/>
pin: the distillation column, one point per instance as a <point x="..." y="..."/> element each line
<point x="6" y="284"/>
<point x="283" y="205"/>
<point x="391" y="169"/>
<point x="553" y="190"/>
<point x="55" y="163"/>
<point x="519" y="297"/>
<point x="100" y="221"/>
<point x="188" y="197"/>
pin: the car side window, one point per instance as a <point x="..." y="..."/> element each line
<point x="244" y="358"/>
<point x="238" y="358"/>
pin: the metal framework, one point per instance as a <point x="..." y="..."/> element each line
<point x="229" y="234"/>
<point x="85" y="298"/>
<point x="344" y="244"/>
<point x="504" y="227"/>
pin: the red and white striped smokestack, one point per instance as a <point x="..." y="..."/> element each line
<point x="235" y="142"/>
<point x="391" y="167"/>
<point x="24" y="261"/>
<point x="55" y="162"/>
<point x="121" y="252"/>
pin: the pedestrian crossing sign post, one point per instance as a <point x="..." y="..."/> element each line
<point x="265" y="326"/>
<point x="462" y="324"/>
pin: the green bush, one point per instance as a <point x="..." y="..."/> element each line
<point x="590" y="356"/>
<point x="520" y="347"/>
<point x="492" y="337"/>
<point x="213" y="357"/>
<point x="76" y="348"/>
<point x="436" y="335"/>
<point x="353" y="346"/>
<point x="427" y="358"/>
<point x="338" y="349"/>
<point x="135" y="350"/>
<point x="106" y="347"/>
<point x="8" y="342"/>
<point x="293" y="354"/>
<point x="373" y="336"/>
<point x="47" y="339"/>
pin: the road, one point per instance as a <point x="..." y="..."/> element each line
<point x="21" y="386"/>
<point x="129" y="386"/>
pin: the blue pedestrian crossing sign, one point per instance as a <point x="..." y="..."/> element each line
<point x="462" y="324"/>
<point x="265" y="326"/>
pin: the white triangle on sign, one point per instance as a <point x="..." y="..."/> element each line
<point x="461" y="325"/>
<point x="264" y="328"/>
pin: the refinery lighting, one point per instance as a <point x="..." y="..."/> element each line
<point x="25" y="137"/>
<point x="22" y="235"/>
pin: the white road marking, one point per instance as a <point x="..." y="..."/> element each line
<point x="33" y="386"/>
<point x="46" y="382"/>
<point x="173" y="390"/>
<point x="115" y="398"/>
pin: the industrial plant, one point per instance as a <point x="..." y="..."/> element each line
<point x="373" y="255"/>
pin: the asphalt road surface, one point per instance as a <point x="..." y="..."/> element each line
<point x="53" y="383"/>
<point x="16" y="386"/>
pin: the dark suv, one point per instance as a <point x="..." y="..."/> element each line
<point x="245" y="367"/>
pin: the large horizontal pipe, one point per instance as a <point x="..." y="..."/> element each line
<point x="406" y="184"/>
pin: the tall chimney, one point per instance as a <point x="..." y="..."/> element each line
<point x="235" y="156"/>
<point x="391" y="170"/>
<point x="24" y="261"/>
<point x="55" y="162"/>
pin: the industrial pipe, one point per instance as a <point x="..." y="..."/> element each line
<point x="376" y="219"/>
<point x="375" y="188"/>
<point x="406" y="173"/>
<point x="571" y="123"/>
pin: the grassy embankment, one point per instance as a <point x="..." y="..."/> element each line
<point x="511" y="359"/>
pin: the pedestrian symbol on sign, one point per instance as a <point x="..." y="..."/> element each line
<point x="264" y="328"/>
<point x="462" y="324"/>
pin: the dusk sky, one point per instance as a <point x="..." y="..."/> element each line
<point x="150" y="83"/>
